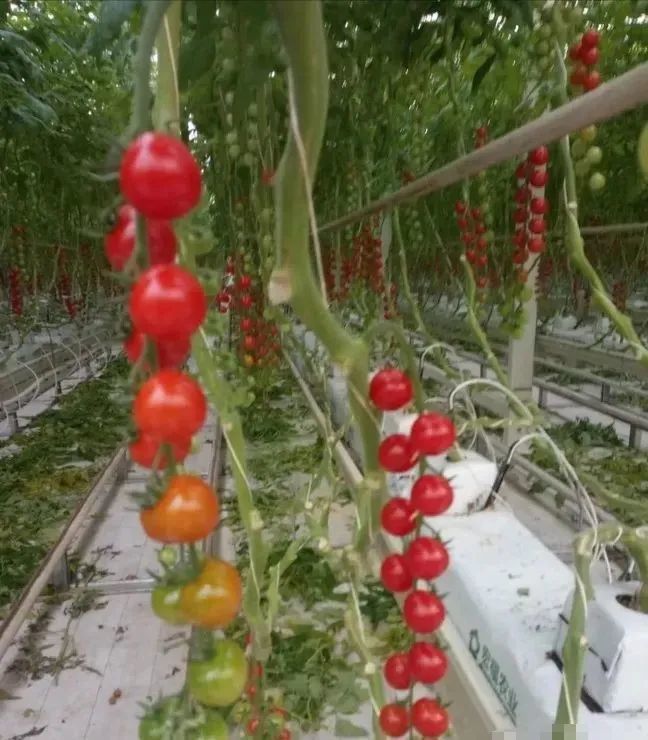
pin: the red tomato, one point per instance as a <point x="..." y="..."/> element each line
<point x="145" y="451"/>
<point x="285" y="734"/>
<point x="520" y="215"/>
<point x="521" y="171"/>
<point x="246" y="324"/>
<point x="536" y="244"/>
<point x="246" y="300"/>
<point x="187" y="512"/>
<point x="397" y="671"/>
<point x="398" y="517"/>
<point x="427" y="663"/>
<point x="590" y="56"/>
<point x="390" y="389"/>
<point x="167" y="301"/>
<point x="120" y="242"/>
<point x="471" y="256"/>
<point x="245" y="282"/>
<point x="423" y="611"/>
<point x="476" y="214"/>
<point x="252" y="725"/>
<point x="591" y="38"/>
<point x="539" y="178"/>
<point x="397" y="453"/>
<point x="395" y="574"/>
<point x="159" y="176"/>
<point x="430" y="718"/>
<point x="249" y="342"/>
<point x="460" y="207"/>
<point x="462" y="223"/>
<point x="537" y="225"/>
<point x="170" y="406"/>
<point x="426" y="557"/>
<point x="539" y="206"/>
<point x="539" y="155"/>
<point x="431" y="495"/>
<point x="171" y="352"/>
<point x="519" y="257"/>
<point x="394" y="720"/>
<point x="591" y="80"/>
<point x="575" y="51"/>
<point x="433" y="433"/>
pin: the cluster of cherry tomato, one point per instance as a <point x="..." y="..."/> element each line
<point x="584" y="56"/>
<point x="275" y="718"/>
<point x="473" y="232"/>
<point x="423" y="558"/>
<point x="259" y="343"/>
<point x="587" y="155"/>
<point x="160" y="181"/>
<point x="364" y="267"/>
<point x="531" y="208"/>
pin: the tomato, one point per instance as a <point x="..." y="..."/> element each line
<point x="521" y="171"/>
<point x="213" y="728"/>
<point x="248" y="361"/>
<point x="145" y="451"/>
<point x="167" y="301"/>
<point x="246" y="300"/>
<point x="426" y="557"/>
<point x="460" y="207"/>
<point x="539" y="155"/>
<point x="397" y="671"/>
<point x="158" y="723"/>
<point x="424" y="611"/>
<point x="285" y="734"/>
<point x="219" y="680"/>
<point x="390" y="389"/>
<point x="591" y="80"/>
<point x="245" y="282"/>
<point x="430" y="718"/>
<point x="246" y="324"/>
<point x="252" y="726"/>
<point x="462" y="223"/>
<point x="591" y="38"/>
<point x="539" y="178"/>
<point x="536" y="244"/>
<point x="159" y="176"/>
<point x="165" y="602"/>
<point x="575" y="51"/>
<point x="170" y="406"/>
<point x="520" y="215"/>
<point x="427" y="663"/>
<point x="537" y="225"/>
<point x="249" y="341"/>
<point x="433" y="433"/>
<point x="397" y="454"/>
<point x="171" y="352"/>
<point x="394" y="720"/>
<point x="214" y="598"/>
<point x="120" y="242"/>
<point x="395" y="573"/>
<point x="187" y="512"/>
<point x="398" y="517"/>
<point x="590" y="56"/>
<point x="539" y="206"/>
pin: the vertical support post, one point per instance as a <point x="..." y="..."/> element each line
<point x="542" y="397"/>
<point x="60" y="578"/>
<point x="13" y="422"/>
<point x="521" y="355"/>
<point x="635" y="437"/>
<point x="605" y="392"/>
<point x="483" y="370"/>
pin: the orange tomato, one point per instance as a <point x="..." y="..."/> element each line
<point x="187" y="512"/>
<point x="214" y="598"/>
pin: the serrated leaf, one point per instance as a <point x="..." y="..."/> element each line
<point x="345" y="728"/>
<point x="481" y="72"/>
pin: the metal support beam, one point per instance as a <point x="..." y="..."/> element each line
<point x="635" y="437"/>
<point x="60" y="578"/>
<point x="14" y="426"/>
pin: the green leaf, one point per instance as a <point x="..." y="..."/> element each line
<point x="196" y="58"/>
<point x="481" y="72"/>
<point x="344" y="728"/>
<point x="112" y="16"/>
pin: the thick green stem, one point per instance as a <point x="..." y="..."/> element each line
<point x="166" y="108"/>
<point x="302" y="31"/>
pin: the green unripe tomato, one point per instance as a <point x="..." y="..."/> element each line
<point x="253" y="145"/>
<point x="545" y="31"/>
<point x="229" y="98"/>
<point x="545" y="63"/>
<point x="542" y="48"/>
<point x="588" y="134"/>
<point x="267" y="241"/>
<point x="227" y="34"/>
<point x="642" y="150"/>
<point x="229" y="65"/>
<point x="234" y="151"/>
<point x="248" y="159"/>
<point x="594" y="155"/>
<point x="488" y="219"/>
<point x="485" y="206"/>
<point x="252" y="129"/>
<point x="265" y="216"/>
<point x="165" y="602"/>
<point x="253" y="110"/>
<point x="596" y="182"/>
<point x="219" y="680"/>
<point x="231" y="137"/>
<point x="229" y="118"/>
<point x="578" y="148"/>
<point x="167" y="556"/>
<point x="158" y="722"/>
<point x="482" y="190"/>
<point x="213" y="728"/>
<point x="575" y="14"/>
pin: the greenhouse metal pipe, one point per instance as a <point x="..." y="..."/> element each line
<point x="467" y="673"/>
<point x="609" y="100"/>
<point x="21" y="608"/>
